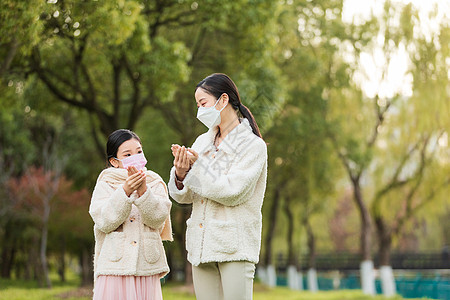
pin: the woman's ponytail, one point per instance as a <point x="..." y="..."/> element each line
<point x="246" y="113"/>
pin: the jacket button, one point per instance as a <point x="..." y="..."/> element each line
<point x="202" y="201"/>
<point x="134" y="243"/>
<point x="200" y="225"/>
<point x="132" y="219"/>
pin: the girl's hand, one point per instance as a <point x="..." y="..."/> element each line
<point x="142" y="188"/>
<point x="136" y="180"/>
<point x="181" y="162"/>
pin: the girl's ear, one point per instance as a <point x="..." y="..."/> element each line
<point x="114" y="162"/>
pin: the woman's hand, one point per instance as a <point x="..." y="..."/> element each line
<point x="181" y="161"/>
<point x="192" y="155"/>
<point x="136" y="180"/>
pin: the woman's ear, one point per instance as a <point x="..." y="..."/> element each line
<point x="114" y="162"/>
<point x="225" y="99"/>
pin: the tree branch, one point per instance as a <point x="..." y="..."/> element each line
<point x="98" y="145"/>
<point x="381" y="113"/>
<point x="411" y="212"/>
<point x="116" y="90"/>
<point x="197" y="46"/>
<point x="13" y="46"/>
<point x="42" y="74"/>
<point x="169" y="115"/>
<point x="136" y="107"/>
<point x="395" y="182"/>
<point x="178" y="17"/>
<point x="344" y="159"/>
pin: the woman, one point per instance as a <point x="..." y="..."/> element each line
<point x="224" y="176"/>
<point x="130" y="207"/>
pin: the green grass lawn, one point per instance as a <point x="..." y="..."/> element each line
<point x="18" y="290"/>
<point x="263" y="293"/>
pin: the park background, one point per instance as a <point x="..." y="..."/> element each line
<point x="352" y="98"/>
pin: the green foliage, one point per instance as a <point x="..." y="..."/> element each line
<point x="17" y="35"/>
<point x="15" y="144"/>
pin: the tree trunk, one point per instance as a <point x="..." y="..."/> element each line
<point x="30" y="263"/>
<point x="385" y="241"/>
<point x="366" y="230"/>
<point x="8" y="251"/>
<point x="181" y="215"/>
<point x="293" y="276"/>
<point x="270" y="275"/>
<point x="62" y="261"/>
<point x="313" y="285"/>
<point x="367" y="272"/>
<point x="86" y="266"/>
<point x="311" y="246"/>
<point x="187" y="264"/>
<point x="312" y="280"/>
<point x="290" y="234"/>
<point x="271" y="227"/>
<point x="384" y="252"/>
<point x="7" y="259"/>
<point x="35" y="263"/>
<point x="43" y="249"/>
<point x="12" y="50"/>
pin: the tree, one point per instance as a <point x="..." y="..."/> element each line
<point x="15" y="154"/>
<point x="322" y="34"/>
<point x="70" y="229"/>
<point x="416" y="145"/>
<point x="17" y="37"/>
<point x="38" y="188"/>
<point x="357" y="140"/>
<point x="116" y="60"/>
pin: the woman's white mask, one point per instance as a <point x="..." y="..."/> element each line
<point x="210" y="116"/>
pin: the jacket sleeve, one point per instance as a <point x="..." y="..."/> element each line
<point x="154" y="205"/>
<point x="109" y="208"/>
<point x="184" y="196"/>
<point x="237" y="185"/>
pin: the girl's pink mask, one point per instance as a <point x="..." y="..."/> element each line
<point x="138" y="160"/>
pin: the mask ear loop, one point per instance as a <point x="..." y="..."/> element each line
<point x="218" y="102"/>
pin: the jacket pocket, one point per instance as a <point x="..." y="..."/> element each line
<point x="223" y="236"/>
<point x="152" y="246"/>
<point x="113" y="246"/>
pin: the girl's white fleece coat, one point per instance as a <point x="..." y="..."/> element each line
<point x="129" y="230"/>
<point x="226" y="188"/>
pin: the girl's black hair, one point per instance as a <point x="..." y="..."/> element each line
<point x="116" y="139"/>
<point x="218" y="83"/>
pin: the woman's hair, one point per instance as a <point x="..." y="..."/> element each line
<point x="116" y="139"/>
<point x="218" y="83"/>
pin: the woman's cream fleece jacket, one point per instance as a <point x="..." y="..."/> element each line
<point x="129" y="230"/>
<point x="226" y="188"/>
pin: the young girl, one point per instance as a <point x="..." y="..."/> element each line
<point x="130" y="208"/>
<point x="224" y="177"/>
